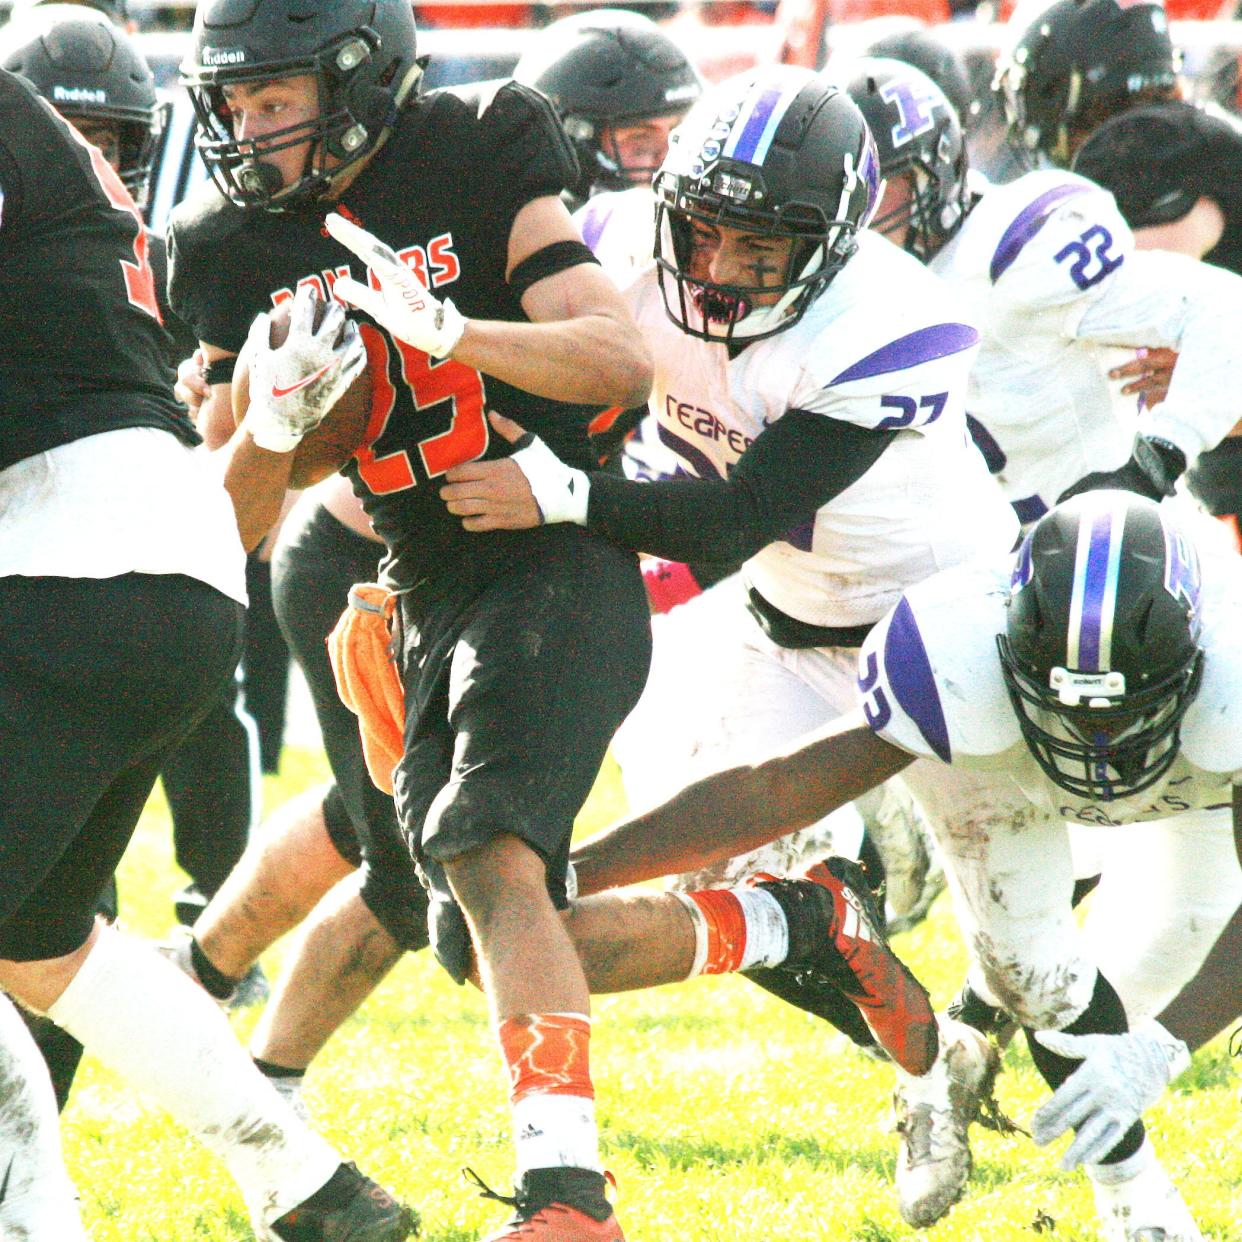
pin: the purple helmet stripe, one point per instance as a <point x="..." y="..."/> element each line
<point x="744" y="143"/>
<point x="1092" y="605"/>
<point x="1027" y="223"/>
<point x="925" y="345"/>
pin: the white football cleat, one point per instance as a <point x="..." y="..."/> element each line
<point x="934" y="1113"/>
<point x="1146" y="1208"/>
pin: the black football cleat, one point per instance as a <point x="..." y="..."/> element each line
<point x="350" y="1207"/>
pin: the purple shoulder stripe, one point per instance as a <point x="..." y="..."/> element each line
<point x="1027" y="223"/>
<point x="594" y="216"/>
<point x="910" y="677"/>
<point x="925" y="345"/>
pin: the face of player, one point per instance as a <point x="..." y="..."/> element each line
<point x="260" y="109"/>
<point x="892" y="217"/>
<point x="106" y="135"/>
<point x="724" y="255"/>
<point x="638" y="150"/>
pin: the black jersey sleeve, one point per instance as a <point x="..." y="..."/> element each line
<point x="530" y="153"/>
<point x="208" y="298"/>
<point x="794" y="468"/>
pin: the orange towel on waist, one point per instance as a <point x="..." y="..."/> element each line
<point x="360" y="649"/>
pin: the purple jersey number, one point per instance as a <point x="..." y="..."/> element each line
<point x="1089" y="259"/>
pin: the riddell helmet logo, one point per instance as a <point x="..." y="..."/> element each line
<point x="224" y="55"/>
<point x="78" y="94"/>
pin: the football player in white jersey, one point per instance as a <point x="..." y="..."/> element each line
<point x="1049" y="268"/>
<point x="810" y="386"/>
<point x="1094" y="676"/>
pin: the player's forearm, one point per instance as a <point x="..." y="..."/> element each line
<point x="256" y="481"/>
<point x="742" y="808"/>
<point x="592" y="359"/>
<point x="725" y="814"/>
<point x="1213" y="998"/>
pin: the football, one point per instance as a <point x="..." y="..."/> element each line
<point x="326" y="449"/>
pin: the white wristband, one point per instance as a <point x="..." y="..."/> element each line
<point x="561" y="492"/>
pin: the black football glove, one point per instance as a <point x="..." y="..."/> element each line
<point x="1152" y="471"/>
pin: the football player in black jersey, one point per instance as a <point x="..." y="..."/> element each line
<point x="95" y="76"/>
<point x="622" y="75"/>
<point x="520" y="657"/>
<point x="122" y="590"/>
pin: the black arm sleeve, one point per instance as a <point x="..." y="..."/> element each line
<point x="796" y="466"/>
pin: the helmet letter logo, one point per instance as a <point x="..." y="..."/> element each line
<point x="1181" y="570"/>
<point x="915" y="110"/>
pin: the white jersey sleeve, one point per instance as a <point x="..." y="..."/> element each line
<point x="929" y="675"/>
<point x="1172" y="300"/>
<point x="619" y="229"/>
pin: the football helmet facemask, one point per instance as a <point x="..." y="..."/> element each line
<point x="1078" y="63"/>
<point x="1100" y="653"/>
<point x="917" y="134"/>
<point x="776" y="152"/>
<point x="89" y="69"/>
<point x="607" y="68"/>
<point x="362" y="54"/>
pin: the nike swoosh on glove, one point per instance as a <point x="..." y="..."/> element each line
<point x="293" y="386"/>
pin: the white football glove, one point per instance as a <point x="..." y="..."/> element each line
<point x="402" y="303"/>
<point x="294" y="386"/>
<point x="1120" y="1076"/>
<point x="560" y="491"/>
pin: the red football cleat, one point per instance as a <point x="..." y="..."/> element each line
<point x="556" y="1205"/>
<point x="836" y="932"/>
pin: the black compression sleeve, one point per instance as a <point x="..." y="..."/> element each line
<point x="797" y="465"/>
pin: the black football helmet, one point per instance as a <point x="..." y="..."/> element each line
<point x="1100" y="652"/>
<point x="363" y="55"/>
<point x="917" y="133"/>
<point x="777" y="151"/>
<point x="1078" y="63"/>
<point x="89" y="69"/>
<point x="608" y="67"/>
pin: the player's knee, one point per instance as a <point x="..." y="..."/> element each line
<point x="1040" y="994"/>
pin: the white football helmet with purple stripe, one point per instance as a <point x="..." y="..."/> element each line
<point x="774" y="151"/>
<point x="1101" y="652"/>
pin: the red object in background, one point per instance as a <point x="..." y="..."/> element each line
<point x="457" y="16"/>
<point x="668" y="583"/>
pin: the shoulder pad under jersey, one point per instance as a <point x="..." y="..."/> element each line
<point x="885" y="346"/>
<point x="1045" y="240"/>
<point x="929" y="674"/>
<point x="1211" y="733"/>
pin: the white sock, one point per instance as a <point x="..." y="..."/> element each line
<point x="289" y="1088"/>
<point x="149" y="1023"/>
<point x="555" y="1131"/>
<point x="767" y="929"/>
<point x="39" y="1201"/>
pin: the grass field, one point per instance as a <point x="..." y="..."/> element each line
<point x="725" y="1115"/>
